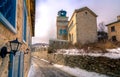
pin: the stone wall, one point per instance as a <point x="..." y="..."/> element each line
<point x="86" y="27"/>
<point x="103" y="65"/>
<point x="4" y="67"/>
<point x="6" y="35"/>
<point x="40" y="54"/>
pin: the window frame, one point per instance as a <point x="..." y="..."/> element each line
<point x="24" y="21"/>
<point x="7" y="24"/>
<point x="60" y="32"/>
<point x="114" y="38"/>
<point x="113" y="29"/>
<point x="65" y="32"/>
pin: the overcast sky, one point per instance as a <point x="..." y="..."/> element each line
<point x="46" y="13"/>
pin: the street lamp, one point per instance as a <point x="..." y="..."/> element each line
<point x="15" y="46"/>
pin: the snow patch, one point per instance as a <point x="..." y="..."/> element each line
<point x="78" y="72"/>
<point x="44" y="60"/>
<point x="32" y="71"/>
<point x="112" y="53"/>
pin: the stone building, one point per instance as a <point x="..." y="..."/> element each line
<point x="16" y="21"/>
<point x="62" y="22"/>
<point x="114" y="30"/>
<point x="82" y="27"/>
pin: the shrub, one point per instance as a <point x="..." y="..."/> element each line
<point x="51" y="50"/>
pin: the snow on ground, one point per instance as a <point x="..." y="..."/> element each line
<point x="73" y="71"/>
<point x="32" y="70"/>
<point x="45" y="60"/>
<point x="78" y="72"/>
<point x="112" y="53"/>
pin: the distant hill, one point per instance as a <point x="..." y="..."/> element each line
<point x="39" y="44"/>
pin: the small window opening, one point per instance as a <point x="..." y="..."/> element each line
<point x="85" y="12"/>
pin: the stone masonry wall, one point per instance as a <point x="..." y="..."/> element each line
<point x="103" y="65"/>
<point x="6" y="35"/>
<point x="86" y="27"/>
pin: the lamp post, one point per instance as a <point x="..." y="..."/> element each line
<point x="15" y="46"/>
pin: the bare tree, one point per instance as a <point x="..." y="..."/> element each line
<point x="101" y="27"/>
<point x="102" y="34"/>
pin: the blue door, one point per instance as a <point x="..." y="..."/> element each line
<point x="11" y="66"/>
<point x="21" y="65"/>
<point x="16" y="64"/>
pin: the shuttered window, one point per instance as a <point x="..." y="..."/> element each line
<point x="62" y="32"/>
<point x="113" y="29"/>
<point x="25" y="22"/>
<point x="8" y="13"/>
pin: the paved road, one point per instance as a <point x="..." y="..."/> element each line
<point x="40" y="68"/>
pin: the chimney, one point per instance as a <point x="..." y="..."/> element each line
<point x="118" y="18"/>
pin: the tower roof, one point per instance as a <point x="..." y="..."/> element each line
<point x="62" y="13"/>
<point x="82" y="9"/>
<point x="85" y="8"/>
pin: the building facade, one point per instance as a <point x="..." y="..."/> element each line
<point x="82" y="27"/>
<point x="61" y="23"/>
<point x="57" y="44"/>
<point x="16" y="21"/>
<point x="114" y="30"/>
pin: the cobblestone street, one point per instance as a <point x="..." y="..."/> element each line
<point x="40" y="68"/>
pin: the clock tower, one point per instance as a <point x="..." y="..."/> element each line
<point x="61" y="23"/>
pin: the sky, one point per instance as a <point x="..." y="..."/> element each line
<point x="46" y="13"/>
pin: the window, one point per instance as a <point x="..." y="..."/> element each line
<point x="8" y="13"/>
<point x="112" y="29"/>
<point x="114" y="38"/>
<point x="72" y="37"/>
<point x="53" y="42"/>
<point x="63" y="32"/>
<point x="25" y="22"/>
<point x="60" y="32"/>
<point x="85" y="12"/>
